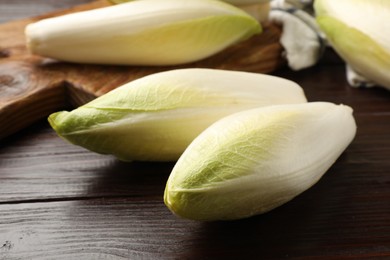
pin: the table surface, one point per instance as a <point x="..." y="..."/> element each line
<point x="59" y="201"/>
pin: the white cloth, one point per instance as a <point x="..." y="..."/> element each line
<point x="301" y="38"/>
<point x="357" y="80"/>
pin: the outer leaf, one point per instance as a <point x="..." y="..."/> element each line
<point x="253" y="161"/>
<point x="358" y="31"/>
<point x="371" y="17"/>
<point x="156" y="117"/>
<point x="148" y="32"/>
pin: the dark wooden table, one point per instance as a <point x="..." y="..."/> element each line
<point x="59" y="201"/>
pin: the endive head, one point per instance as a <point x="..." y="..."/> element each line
<point x="359" y="31"/>
<point x="255" y="160"/>
<point x="156" y="117"/>
<point x="147" y="32"/>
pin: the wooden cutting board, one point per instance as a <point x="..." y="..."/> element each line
<point x="32" y="87"/>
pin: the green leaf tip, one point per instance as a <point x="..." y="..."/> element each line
<point x="255" y="160"/>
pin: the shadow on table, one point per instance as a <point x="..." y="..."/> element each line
<point x="118" y="179"/>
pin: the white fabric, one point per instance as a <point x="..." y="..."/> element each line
<point x="301" y="38"/>
<point x="357" y="80"/>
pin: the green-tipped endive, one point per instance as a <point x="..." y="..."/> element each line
<point x="253" y="161"/>
<point x="156" y="117"/>
<point x="358" y="30"/>
<point x="148" y="32"/>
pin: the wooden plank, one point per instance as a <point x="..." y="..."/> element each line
<point x="19" y="9"/>
<point x="143" y="228"/>
<point x="45" y="167"/>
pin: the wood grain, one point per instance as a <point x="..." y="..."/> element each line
<point x="142" y="228"/>
<point x="11" y="10"/>
<point x="48" y="168"/>
<point x="32" y="87"/>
